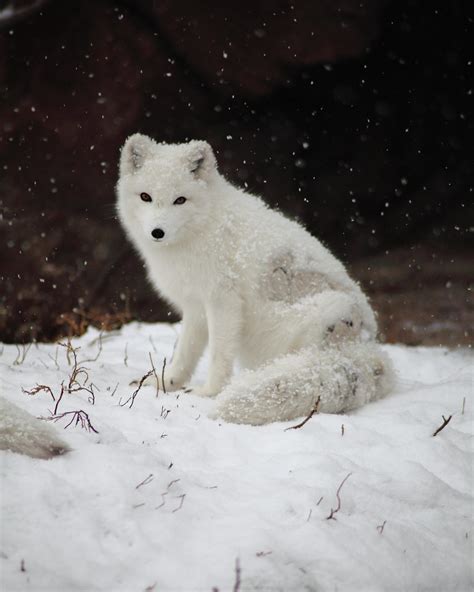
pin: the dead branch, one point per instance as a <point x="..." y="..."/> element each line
<point x="100" y="338"/>
<point x="78" y="371"/>
<point x="443" y="425"/>
<point x="59" y="399"/>
<point x="22" y="353"/>
<point x="131" y="399"/>
<point x="38" y="388"/>
<point x="164" y="412"/>
<point x="155" y="375"/>
<point x="237" y="582"/>
<point x="55" y="359"/>
<point x="73" y="384"/>
<point x="152" y="343"/>
<point x="163" y="375"/>
<point x="338" y="507"/>
<point x="313" y="412"/>
<point x="165" y="493"/>
<point x="91" y="397"/>
<point x="380" y="527"/>
<point x="145" y="481"/>
<point x="181" y="502"/>
<point x="77" y="417"/>
<point x="125" y="355"/>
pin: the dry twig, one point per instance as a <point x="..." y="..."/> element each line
<point x="125" y="355"/>
<point x="99" y="351"/>
<point x="163" y="375"/>
<point x="38" y="388"/>
<point x="155" y="375"/>
<point x="380" y="527"/>
<point x="238" y="573"/>
<point x="181" y="502"/>
<point x="22" y="353"/>
<point x="79" y="417"/>
<point x="313" y="412"/>
<point x="131" y="399"/>
<point x="145" y="481"/>
<point x="338" y="507"/>
<point x="443" y="425"/>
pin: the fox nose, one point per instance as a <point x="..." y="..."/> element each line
<point x="157" y="233"/>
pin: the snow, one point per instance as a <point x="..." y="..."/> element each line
<point x="165" y="499"/>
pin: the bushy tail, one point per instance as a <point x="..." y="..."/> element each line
<point x="344" y="377"/>
<point x="21" y="432"/>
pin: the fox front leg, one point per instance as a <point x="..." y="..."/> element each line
<point x="190" y="347"/>
<point x="224" y="321"/>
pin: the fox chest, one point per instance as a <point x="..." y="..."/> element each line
<point x="182" y="280"/>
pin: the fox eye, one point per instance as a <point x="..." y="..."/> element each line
<point x="145" y="197"/>
<point x="179" y="200"/>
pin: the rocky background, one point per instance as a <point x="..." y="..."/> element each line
<point x="354" y="117"/>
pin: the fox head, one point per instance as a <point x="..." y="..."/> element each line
<point x="163" y="189"/>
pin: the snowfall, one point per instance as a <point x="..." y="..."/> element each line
<point x="162" y="498"/>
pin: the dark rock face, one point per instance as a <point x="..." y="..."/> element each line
<point x="252" y="48"/>
<point x="369" y="148"/>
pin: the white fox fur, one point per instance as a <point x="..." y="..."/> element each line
<point x="250" y="283"/>
<point x="21" y="432"/>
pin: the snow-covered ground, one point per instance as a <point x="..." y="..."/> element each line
<point x="164" y="499"/>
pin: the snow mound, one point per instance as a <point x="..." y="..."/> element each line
<point x="161" y="497"/>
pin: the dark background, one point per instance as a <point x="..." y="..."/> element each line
<point x="355" y="117"/>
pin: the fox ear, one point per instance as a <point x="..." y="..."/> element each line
<point x="136" y="150"/>
<point x="200" y="159"/>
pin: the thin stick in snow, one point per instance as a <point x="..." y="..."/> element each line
<point x="380" y="527"/>
<point x="163" y="375"/>
<point x="152" y="343"/>
<point x="99" y="351"/>
<point x="22" y="353"/>
<point x="313" y="411"/>
<point x="131" y="399"/>
<point x="79" y="417"/>
<point x="443" y="425"/>
<point x="125" y="355"/>
<point x="55" y="359"/>
<point x="155" y="375"/>
<point x="145" y="481"/>
<point x="463" y="405"/>
<point x="181" y="503"/>
<point x="238" y="572"/>
<point x="338" y="507"/>
<point x="39" y="387"/>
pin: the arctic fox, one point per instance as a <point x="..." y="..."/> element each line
<point x="251" y="284"/>
<point x="21" y="432"/>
